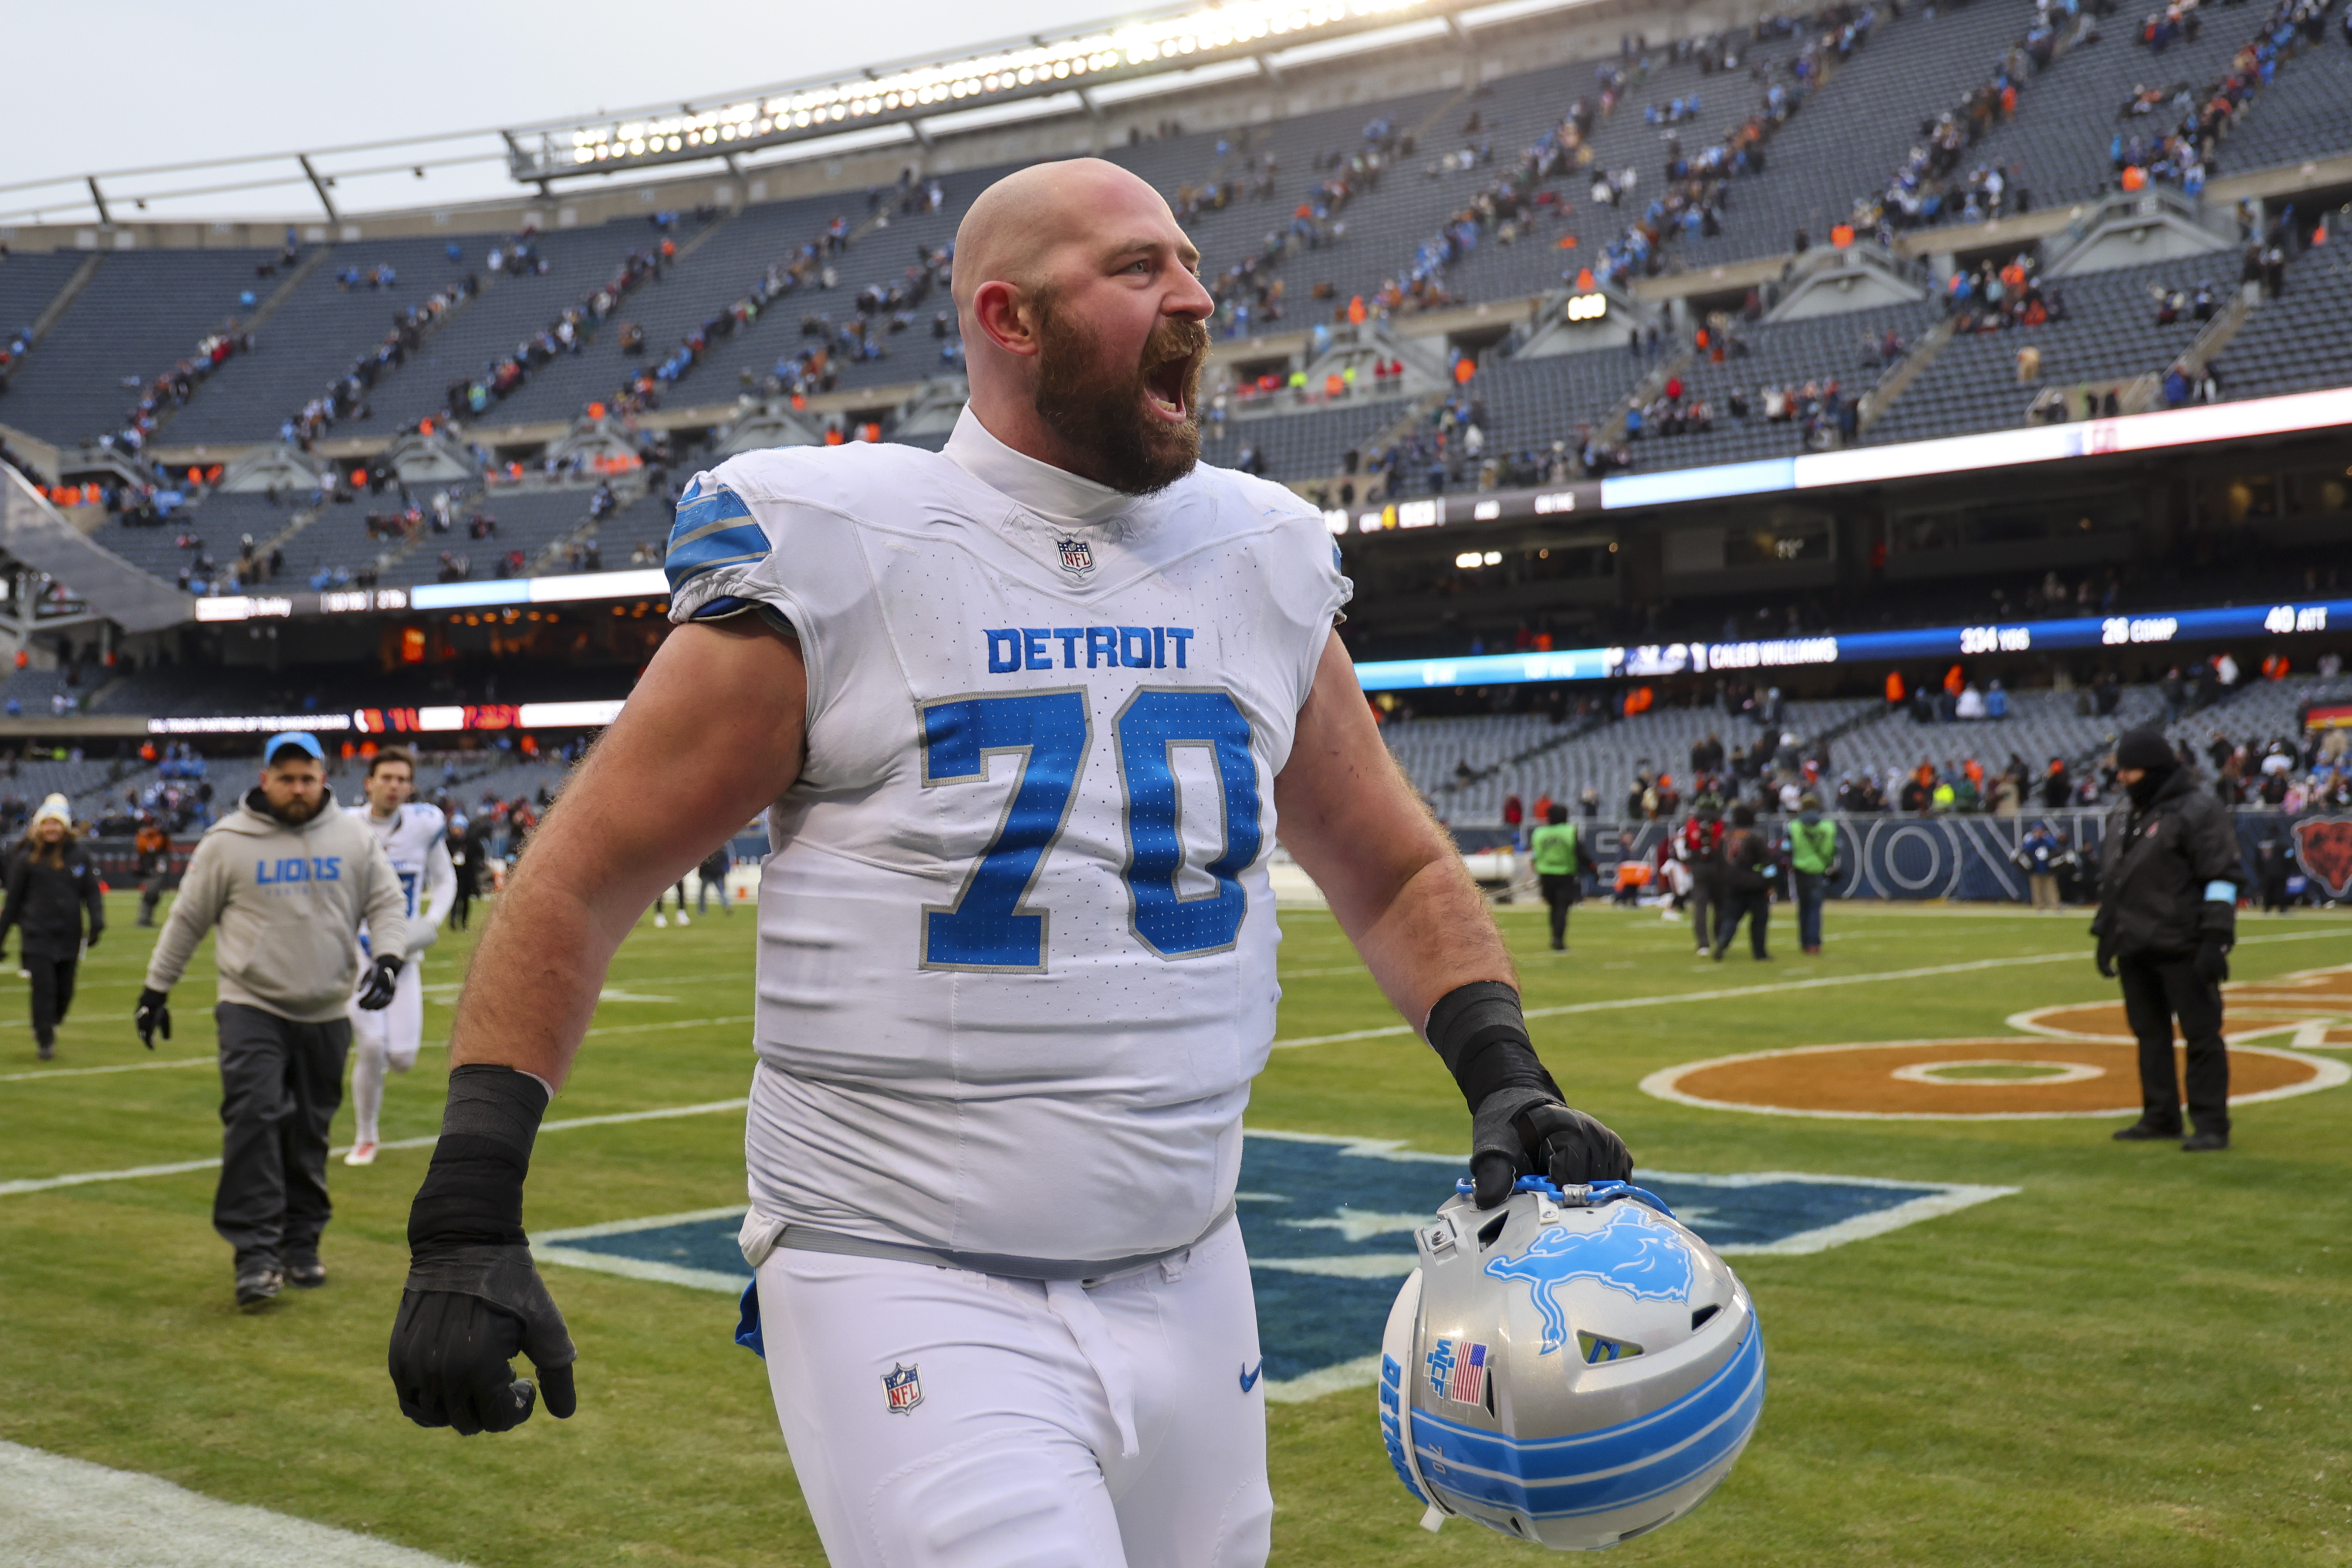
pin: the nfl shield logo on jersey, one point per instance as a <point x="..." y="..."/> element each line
<point x="1077" y="556"/>
<point x="903" y="1387"/>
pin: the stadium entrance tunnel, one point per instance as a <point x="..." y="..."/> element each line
<point x="1970" y="1078"/>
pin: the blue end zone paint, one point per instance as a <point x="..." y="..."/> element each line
<point x="705" y="1244"/>
<point x="1330" y="1226"/>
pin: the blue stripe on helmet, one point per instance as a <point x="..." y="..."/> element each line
<point x="1611" y="1467"/>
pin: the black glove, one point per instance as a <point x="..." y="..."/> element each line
<point x="473" y="1299"/>
<point x="2212" y="959"/>
<point x="1519" y="1125"/>
<point x="154" y="1013"/>
<point x="376" y="990"/>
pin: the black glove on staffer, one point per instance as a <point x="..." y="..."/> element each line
<point x="2212" y="959"/>
<point x="1518" y="1124"/>
<point x="473" y="1299"/>
<point x="376" y="990"/>
<point x="152" y="1014"/>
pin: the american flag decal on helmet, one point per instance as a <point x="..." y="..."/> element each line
<point x="1457" y="1371"/>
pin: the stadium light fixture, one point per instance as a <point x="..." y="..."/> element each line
<point x="1177" y="39"/>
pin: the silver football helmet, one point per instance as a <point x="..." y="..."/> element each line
<point x="1574" y="1368"/>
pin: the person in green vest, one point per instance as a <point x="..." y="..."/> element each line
<point x="1812" y="855"/>
<point x="1560" y="853"/>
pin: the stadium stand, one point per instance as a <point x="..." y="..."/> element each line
<point x="332" y="317"/>
<point x="1865" y="117"/>
<point x="29" y="283"/>
<point x="141" y="316"/>
<point x="1298" y="444"/>
<point x="2306" y="111"/>
<point x="1840" y="356"/>
<point x="2295" y="341"/>
<point x="1422" y="174"/>
<point x="2040" y="726"/>
<point x="2059" y="138"/>
<point x="2108" y="335"/>
<point x="1468" y="765"/>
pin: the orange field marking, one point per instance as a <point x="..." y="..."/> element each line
<point x="2312" y="1009"/>
<point x="1970" y="1078"/>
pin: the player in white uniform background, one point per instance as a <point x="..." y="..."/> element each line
<point x="414" y="838"/>
<point x="1026" y="717"/>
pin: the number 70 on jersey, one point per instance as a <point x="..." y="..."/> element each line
<point x="989" y="928"/>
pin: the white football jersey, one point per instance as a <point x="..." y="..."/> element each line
<point x="408" y="840"/>
<point x="1017" y="944"/>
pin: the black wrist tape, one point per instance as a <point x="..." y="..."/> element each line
<point x="1480" y="1034"/>
<point x="473" y="1189"/>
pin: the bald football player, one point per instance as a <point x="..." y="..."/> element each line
<point x="1026" y="717"/>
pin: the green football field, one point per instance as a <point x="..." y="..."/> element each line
<point x="2137" y="1359"/>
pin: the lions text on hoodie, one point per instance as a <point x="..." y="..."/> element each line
<point x="288" y="900"/>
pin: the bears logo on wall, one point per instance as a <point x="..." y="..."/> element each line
<point x="2324" y="846"/>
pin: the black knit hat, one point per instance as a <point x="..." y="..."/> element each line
<point x="2147" y="749"/>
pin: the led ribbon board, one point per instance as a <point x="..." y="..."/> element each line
<point x="2254" y="621"/>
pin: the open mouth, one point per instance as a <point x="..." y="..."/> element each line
<point x="1168" y="386"/>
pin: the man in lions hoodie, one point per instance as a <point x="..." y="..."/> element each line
<point x="288" y="876"/>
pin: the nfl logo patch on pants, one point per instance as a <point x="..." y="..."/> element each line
<point x="903" y="1387"/>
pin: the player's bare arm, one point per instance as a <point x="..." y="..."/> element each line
<point x="1399" y="889"/>
<point x="714" y="733"/>
<point x="1394" y="882"/>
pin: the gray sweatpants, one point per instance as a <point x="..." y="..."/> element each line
<point x="282" y="1084"/>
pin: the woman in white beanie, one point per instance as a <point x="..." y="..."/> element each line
<point x="51" y="885"/>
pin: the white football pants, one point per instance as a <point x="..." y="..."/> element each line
<point x="388" y="1037"/>
<point x="1059" y="1427"/>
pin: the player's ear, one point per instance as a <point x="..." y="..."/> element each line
<point x="1007" y="315"/>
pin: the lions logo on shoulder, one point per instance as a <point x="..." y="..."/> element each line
<point x="902" y="1385"/>
<point x="1077" y="556"/>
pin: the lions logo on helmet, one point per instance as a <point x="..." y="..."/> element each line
<point x="1573" y="1452"/>
<point x="1633" y="1253"/>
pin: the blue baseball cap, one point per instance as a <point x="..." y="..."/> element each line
<point x="301" y="740"/>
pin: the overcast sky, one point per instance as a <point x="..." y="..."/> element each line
<point x="174" y="82"/>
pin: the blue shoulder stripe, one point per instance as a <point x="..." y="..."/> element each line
<point x="714" y="528"/>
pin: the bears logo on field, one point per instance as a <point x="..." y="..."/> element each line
<point x="1632" y="1253"/>
<point x="1330" y="1221"/>
<point x="2324" y="846"/>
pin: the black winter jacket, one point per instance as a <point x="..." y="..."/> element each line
<point x="2155" y="865"/>
<point x="48" y="902"/>
<point x="1745" y="853"/>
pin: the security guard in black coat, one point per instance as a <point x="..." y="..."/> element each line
<point x="2167" y="917"/>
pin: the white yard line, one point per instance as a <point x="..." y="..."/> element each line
<point x="47" y="1184"/>
<point x="69" y="1513"/>
<point x="125" y="1066"/>
<point x="429" y="1045"/>
<point x="1614" y="1003"/>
